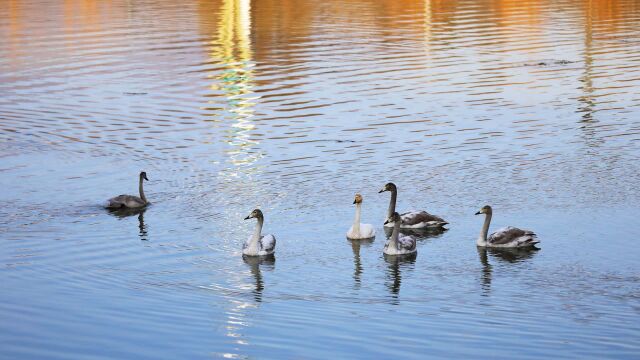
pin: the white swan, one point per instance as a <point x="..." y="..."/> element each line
<point x="358" y="230"/>
<point x="399" y="245"/>
<point x="509" y="237"/>
<point x="258" y="244"/>
<point x="130" y="201"/>
<point x="411" y="219"/>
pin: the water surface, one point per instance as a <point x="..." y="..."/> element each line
<point x="293" y="106"/>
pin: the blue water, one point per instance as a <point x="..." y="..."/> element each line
<point x="293" y="107"/>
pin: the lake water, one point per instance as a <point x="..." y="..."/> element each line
<point x="293" y="106"/>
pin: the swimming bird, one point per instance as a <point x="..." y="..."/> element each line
<point x="358" y="230"/>
<point x="508" y="237"/>
<point x="130" y="201"/>
<point x="411" y="219"/>
<point x="399" y="245"/>
<point x="258" y="244"/>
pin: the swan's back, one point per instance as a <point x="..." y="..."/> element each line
<point x="407" y="242"/>
<point x="266" y="244"/>
<point x="367" y="231"/>
<point x="512" y="237"/>
<point x="128" y="201"/>
<point x="419" y="219"/>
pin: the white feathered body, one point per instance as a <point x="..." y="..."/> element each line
<point x="265" y="245"/>
<point x="405" y="244"/>
<point x="360" y="231"/>
<point x="363" y="231"/>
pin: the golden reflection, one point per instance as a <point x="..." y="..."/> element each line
<point x="587" y="101"/>
<point x="231" y="50"/>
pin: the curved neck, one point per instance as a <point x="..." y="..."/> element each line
<point x="258" y="232"/>
<point x="141" y="190"/>
<point x="485" y="228"/>
<point x="356" y="220"/>
<point x="392" y="203"/>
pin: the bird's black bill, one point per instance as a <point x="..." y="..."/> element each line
<point x="248" y="217"/>
<point x="381" y="191"/>
<point x="354" y="201"/>
<point x="478" y="213"/>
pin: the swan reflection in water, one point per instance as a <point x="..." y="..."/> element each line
<point x="255" y="263"/>
<point x="505" y="255"/>
<point x="357" y="264"/>
<point x="124" y="213"/>
<point x="397" y="264"/>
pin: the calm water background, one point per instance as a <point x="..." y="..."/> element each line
<point x="293" y="106"/>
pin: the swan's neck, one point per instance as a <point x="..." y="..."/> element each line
<point x="258" y="232"/>
<point x="356" y="220"/>
<point x="482" y="240"/>
<point x="392" y="203"/>
<point x="393" y="241"/>
<point x="141" y="190"/>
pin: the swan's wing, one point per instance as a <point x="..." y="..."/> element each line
<point x="367" y="230"/>
<point x="514" y="235"/>
<point x="407" y="242"/>
<point x="268" y="243"/>
<point x="417" y="217"/>
<point x="117" y="202"/>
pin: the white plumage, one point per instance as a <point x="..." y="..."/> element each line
<point x="359" y="231"/>
<point x="258" y="244"/>
<point x="266" y="245"/>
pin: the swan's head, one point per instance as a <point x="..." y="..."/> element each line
<point x="358" y="199"/>
<point x="485" y="210"/>
<point x="394" y="218"/>
<point x="143" y="175"/>
<point x="256" y="213"/>
<point x="388" y="187"/>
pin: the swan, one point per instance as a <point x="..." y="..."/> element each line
<point x="130" y="201"/>
<point x="508" y="237"/>
<point x="411" y="219"/>
<point x="258" y="244"/>
<point x="358" y="230"/>
<point x="399" y="245"/>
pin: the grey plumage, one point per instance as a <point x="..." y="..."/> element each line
<point x="125" y="201"/>
<point x="512" y="234"/>
<point x="508" y="237"/>
<point x="417" y="217"/>
<point x="130" y="201"/>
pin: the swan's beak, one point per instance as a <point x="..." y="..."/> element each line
<point x="248" y="217"/>
<point x="478" y="213"/>
<point x="381" y="191"/>
<point x="386" y="221"/>
<point x="146" y="178"/>
<point x="354" y="201"/>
